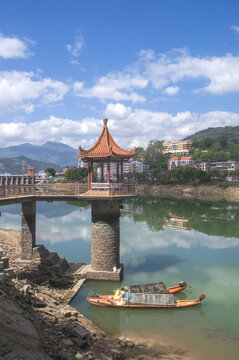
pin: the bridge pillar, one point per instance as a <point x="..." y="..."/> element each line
<point x="105" y="241"/>
<point x="28" y="230"/>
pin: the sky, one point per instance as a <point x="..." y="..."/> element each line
<point x="156" y="69"/>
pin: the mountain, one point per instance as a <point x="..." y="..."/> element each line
<point x="50" y="152"/>
<point x="221" y="143"/>
<point x="14" y="166"/>
<point x="228" y="132"/>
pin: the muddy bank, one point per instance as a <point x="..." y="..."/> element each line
<point x="214" y="193"/>
<point x="36" y="321"/>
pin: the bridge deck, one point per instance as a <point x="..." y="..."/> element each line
<point x="10" y="199"/>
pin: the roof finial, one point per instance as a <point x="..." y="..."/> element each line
<point x="105" y="122"/>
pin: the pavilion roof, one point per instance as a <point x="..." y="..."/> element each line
<point x="105" y="147"/>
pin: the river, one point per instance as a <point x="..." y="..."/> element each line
<point x="161" y="240"/>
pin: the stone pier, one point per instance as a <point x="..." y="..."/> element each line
<point x="28" y="231"/>
<point x="105" y="241"/>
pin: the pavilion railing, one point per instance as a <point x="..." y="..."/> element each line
<point x="114" y="188"/>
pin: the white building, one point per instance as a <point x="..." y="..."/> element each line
<point x="177" y="147"/>
<point x="129" y="167"/>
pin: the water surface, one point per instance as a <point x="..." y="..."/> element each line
<point x="161" y="240"/>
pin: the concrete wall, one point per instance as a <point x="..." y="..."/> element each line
<point x="214" y="193"/>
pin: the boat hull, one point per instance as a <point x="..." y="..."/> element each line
<point x="109" y="301"/>
<point x="175" y="289"/>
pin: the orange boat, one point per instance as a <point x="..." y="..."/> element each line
<point x="156" y="288"/>
<point x="139" y="300"/>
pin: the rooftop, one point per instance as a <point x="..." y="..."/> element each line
<point x="105" y="147"/>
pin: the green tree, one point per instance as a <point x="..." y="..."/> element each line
<point x="140" y="153"/>
<point x="50" y="172"/>
<point x="76" y="174"/>
<point x="155" y="158"/>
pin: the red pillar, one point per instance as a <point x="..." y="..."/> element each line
<point x="117" y="164"/>
<point x="89" y="176"/>
<point x="102" y="172"/>
<point x="108" y="172"/>
<point x="122" y="171"/>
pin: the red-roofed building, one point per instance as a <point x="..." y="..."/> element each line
<point x="105" y="151"/>
<point x="175" y="161"/>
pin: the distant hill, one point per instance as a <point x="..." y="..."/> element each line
<point x="49" y="152"/>
<point x="221" y="143"/>
<point x="14" y="166"/>
<point x="228" y="132"/>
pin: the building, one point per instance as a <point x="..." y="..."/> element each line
<point x="64" y="169"/>
<point x="228" y="165"/>
<point x="203" y="165"/>
<point x="223" y="165"/>
<point x="135" y="166"/>
<point x="175" y="161"/>
<point x="82" y="164"/>
<point x="129" y="167"/>
<point x="177" y="147"/>
<point x="177" y="222"/>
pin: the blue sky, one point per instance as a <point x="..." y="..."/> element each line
<point x="157" y="69"/>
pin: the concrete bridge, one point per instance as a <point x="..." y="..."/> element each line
<point x="105" y="215"/>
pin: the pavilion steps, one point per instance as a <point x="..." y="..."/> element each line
<point x="47" y="258"/>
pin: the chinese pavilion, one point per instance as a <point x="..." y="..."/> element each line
<point x="105" y="151"/>
<point x="105" y="198"/>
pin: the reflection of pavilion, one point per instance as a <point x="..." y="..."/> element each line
<point x="177" y="222"/>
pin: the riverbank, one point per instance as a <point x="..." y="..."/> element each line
<point x="34" y="301"/>
<point x="203" y="192"/>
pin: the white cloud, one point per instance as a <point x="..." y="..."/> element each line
<point x="235" y="28"/>
<point x="75" y="49"/>
<point x="24" y="91"/>
<point x="140" y="126"/>
<point x="115" y="86"/>
<point x="163" y="72"/>
<point x="222" y="73"/>
<point x="171" y="90"/>
<point x="12" y="47"/>
<point x="128" y="127"/>
<point x="117" y="111"/>
<point x="73" y="133"/>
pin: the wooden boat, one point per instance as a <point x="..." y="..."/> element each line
<point x="139" y="300"/>
<point x="155" y="288"/>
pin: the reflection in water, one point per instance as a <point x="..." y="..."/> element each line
<point x="177" y="222"/>
<point x="150" y="263"/>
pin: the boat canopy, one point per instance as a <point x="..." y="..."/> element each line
<point x="149" y="299"/>
<point x="158" y="287"/>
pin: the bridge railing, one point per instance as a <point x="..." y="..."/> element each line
<point x="16" y="190"/>
<point x="67" y="189"/>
